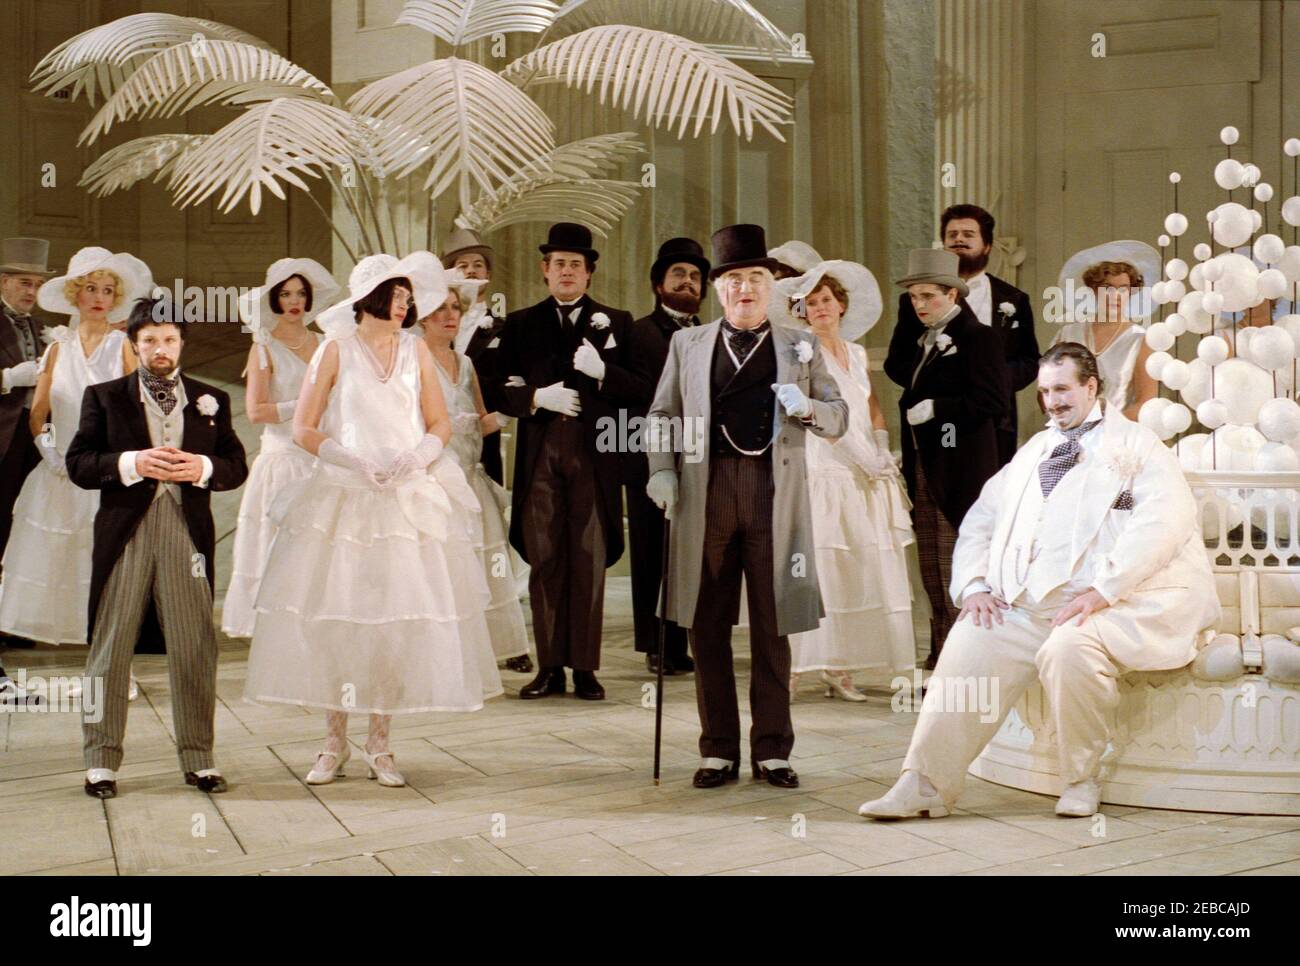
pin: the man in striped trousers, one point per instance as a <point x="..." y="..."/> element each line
<point x="155" y="444"/>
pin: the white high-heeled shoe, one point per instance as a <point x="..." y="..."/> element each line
<point x="388" y="777"/>
<point x="323" y="776"/>
<point x="1080" y="800"/>
<point x="836" y="685"/>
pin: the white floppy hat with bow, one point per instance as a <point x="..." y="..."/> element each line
<point x="428" y="282"/>
<point x="865" y="301"/>
<point x="1137" y="253"/>
<point x="137" y="282"/>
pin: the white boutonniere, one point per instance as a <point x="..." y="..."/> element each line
<point x="803" y="351"/>
<point x="486" y="321"/>
<point x="943" y="342"/>
<point x="1008" y="310"/>
<point x="1124" y="463"/>
<point x="600" y="321"/>
<point x="208" y="406"/>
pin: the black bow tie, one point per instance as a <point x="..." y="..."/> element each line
<point x="742" y="341"/>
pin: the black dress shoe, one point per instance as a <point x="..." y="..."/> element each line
<point x="549" y="680"/>
<point x="716" y="777"/>
<point x="684" y="665"/>
<point x="212" y="784"/>
<point x="9" y="640"/>
<point x="523" y="664"/>
<point x="587" y="687"/>
<point x="105" y="789"/>
<point x="780" y="777"/>
<point x="652" y="664"/>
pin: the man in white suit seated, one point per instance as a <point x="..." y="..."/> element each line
<point x="1082" y="560"/>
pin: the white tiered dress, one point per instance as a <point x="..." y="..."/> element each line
<point x="861" y="527"/>
<point x="45" y="591"/>
<point x="503" y="568"/>
<point x="280" y="462"/>
<point x="373" y="598"/>
<point x="1116" y="362"/>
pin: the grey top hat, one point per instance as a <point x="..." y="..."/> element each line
<point x="936" y="266"/>
<point x="25" y="256"/>
<point x="464" y="240"/>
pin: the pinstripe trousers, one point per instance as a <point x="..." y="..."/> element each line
<point x="158" y="562"/>
<point x="935" y="541"/>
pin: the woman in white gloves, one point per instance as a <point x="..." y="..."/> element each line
<point x="373" y="598"/>
<point x="46" y="585"/>
<point x="861" y="524"/>
<point x="277" y="313"/>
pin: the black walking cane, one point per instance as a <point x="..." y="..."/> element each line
<point x="663" y="633"/>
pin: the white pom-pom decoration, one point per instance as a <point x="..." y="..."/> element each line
<point x="1244" y="388"/>
<point x="1176" y="269"/>
<point x="1198" y="390"/>
<point x="1158" y="293"/>
<point x="1152" y="415"/>
<point x="1196" y="277"/>
<point x="1250" y="174"/>
<point x="1212" y="270"/>
<point x="1229" y="135"/>
<point x="1159" y="337"/>
<point x="1174" y="291"/>
<point x="1229" y="174"/>
<point x="1272" y="347"/>
<point x="1233" y="225"/>
<point x="1279" y="419"/>
<point x="1291" y="325"/>
<point x="1175" y="419"/>
<point x="1163" y="241"/>
<point x="1234" y="448"/>
<point x="1241" y="340"/>
<point x="1202" y="251"/>
<point x="1276" y="457"/>
<point x="1198" y="320"/>
<point x="1212" y="413"/>
<point x="1176" y="223"/>
<point x="1212" y="350"/>
<point x="1239" y="283"/>
<point x="1256" y="220"/>
<point x="1176" y="324"/>
<point x="1175" y="177"/>
<point x="1263" y="191"/>
<point x="1189" y="450"/>
<point x="1175" y="374"/>
<point x="1289" y="263"/>
<point x="1213" y="302"/>
<point x="1290" y="211"/>
<point x="1292" y="147"/>
<point x="1156" y="363"/>
<point x="1272" y="284"/>
<point x="1269" y="249"/>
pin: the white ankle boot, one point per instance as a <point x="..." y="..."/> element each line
<point x="906" y="800"/>
<point x="1080" y="800"/>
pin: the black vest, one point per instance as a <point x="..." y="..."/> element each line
<point x="743" y="402"/>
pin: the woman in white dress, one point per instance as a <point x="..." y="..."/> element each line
<point x="372" y="599"/>
<point x="860" y="511"/>
<point x="45" y="589"/>
<point x="278" y="314"/>
<point x="502" y="567"/>
<point x="1108" y="281"/>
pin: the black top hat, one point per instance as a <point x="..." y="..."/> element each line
<point x="676" y="250"/>
<point x="739" y="246"/>
<point x="565" y="236"/>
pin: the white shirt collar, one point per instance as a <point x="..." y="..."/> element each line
<point x="675" y="315"/>
<point x="982" y="279"/>
<point x="1095" y="414"/>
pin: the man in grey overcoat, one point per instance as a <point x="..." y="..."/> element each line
<point x="726" y="448"/>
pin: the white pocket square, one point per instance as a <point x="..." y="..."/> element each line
<point x="494" y="343"/>
<point x="610" y="343"/>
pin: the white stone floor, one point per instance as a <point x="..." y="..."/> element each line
<point x="557" y="786"/>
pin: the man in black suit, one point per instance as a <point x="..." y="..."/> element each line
<point x="677" y="278"/>
<point x="967" y="232"/>
<point x="155" y="444"/>
<point x="955" y="390"/>
<point x="569" y="367"/>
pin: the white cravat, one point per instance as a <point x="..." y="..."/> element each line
<point x="980" y="298"/>
<point x="469" y="322"/>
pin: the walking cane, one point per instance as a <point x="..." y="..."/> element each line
<point x="663" y="633"/>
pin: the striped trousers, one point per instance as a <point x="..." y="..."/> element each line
<point x="159" y="562"/>
<point x="935" y="541"/>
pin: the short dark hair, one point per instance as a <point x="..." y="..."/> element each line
<point x="1085" y="362"/>
<point x="275" y="292"/>
<point x="590" y="262"/>
<point x="153" y="311"/>
<point x="380" y="301"/>
<point x="985" y="220"/>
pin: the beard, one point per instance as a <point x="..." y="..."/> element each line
<point x="683" y="300"/>
<point x="162" y="369"/>
<point x="969" y="264"/>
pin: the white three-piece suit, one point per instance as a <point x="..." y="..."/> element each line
<point x="1122" y="521"/>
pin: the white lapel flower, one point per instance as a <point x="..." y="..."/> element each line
<point x="1124" y="463"/>
<point x="207" y="405"/>
<point x="600" y="320"/>
<point x="943" y="341"/>
<point x="1007" y="309"/>
<point x="803" y="351"/>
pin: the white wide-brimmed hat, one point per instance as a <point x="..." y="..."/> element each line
<point x="796" y="254"/>
<point x="1137" y="253"/>
<point x="466" y="288"/>
<point x="255" y="309"/>
<point x="428" y="281"/>
<point x="136" y="278"/>
<point x="865" y="302"/>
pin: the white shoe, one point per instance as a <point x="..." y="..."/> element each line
<point x="841" y="685"/>
<point x="322" y="775"/>
<point x="905" y="800"/>
<point x="388" y="776"/>
<point x="133" y="689"/>
<point x="1080" y="800"/>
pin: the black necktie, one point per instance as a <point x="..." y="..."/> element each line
<point x="1063" y="458"/>
<point x="162" y="390"/>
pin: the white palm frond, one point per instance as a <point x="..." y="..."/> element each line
<point x="100" y="59"/>
<point x="659" y="76"/>
<point x="726" y="21"/>
<point x="266" y="144"/>
<point x="125" y="165"/>
<point x="476" y="127"/>
<point x="463" y="21"/>
<point x="594" y="202"/>
<point x="188" y="75"/>
<point x="590" y="157"/>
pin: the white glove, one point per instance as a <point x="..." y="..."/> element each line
<point x="53" y="458"/>
<point x="557" y="399"/>
<point x="331" y="452"/>
<point x="922" y="412"/>
<point x="284" y="410"/>
<point x="412" y="462"/>
<point x="662" y="490"/>
<point x="792" y="398"/>
<point x="881" y="437"/>
<point x="588" y="361"/>
<point x="22" y="376"/>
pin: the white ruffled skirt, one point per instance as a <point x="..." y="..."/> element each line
<point x="503" y="568"/>
<point x="373" y="600"/>
<point x="45" y="590"/>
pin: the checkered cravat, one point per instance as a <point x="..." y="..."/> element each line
<point x="162" y="390"/>
<point x="1063" y="458"/>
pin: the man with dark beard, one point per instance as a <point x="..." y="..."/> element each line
<point x="967" y="231"/>
<point x="677" y="278"/>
